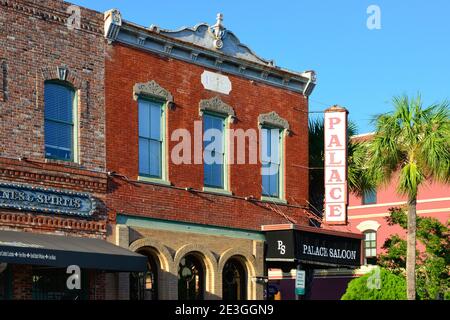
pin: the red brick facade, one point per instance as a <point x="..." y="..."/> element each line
<point x="126" y="66"/>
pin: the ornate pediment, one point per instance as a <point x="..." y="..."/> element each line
<point x="218" y="38"/>
<point x="216" y="105"/>
<point x="151" y="89"/>
<point x="274" y="120"/>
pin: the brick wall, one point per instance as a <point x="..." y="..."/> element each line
<point x="126" y="66"/>
<point x="34" y="41"/>
<point x="22" y="282"/>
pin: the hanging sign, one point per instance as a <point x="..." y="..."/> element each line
<point x="336" y="165"/>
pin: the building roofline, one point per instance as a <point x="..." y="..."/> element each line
<point x="235" y="58"/>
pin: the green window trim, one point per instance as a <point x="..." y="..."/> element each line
<point x="370" y="244"/>
<point x="163" y="179"/>
<point x="225" y="189"/>
<point x="74" y="124"/>
<point x="281" y="176"/>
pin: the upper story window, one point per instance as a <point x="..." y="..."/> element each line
<point x="151" y="138"/>
<point x="370" y="197"/>
<point x="59" y="118"/>
<point x="271" y="162"/>
<point x="370" y="246"/>
<point x="214" y="151"/>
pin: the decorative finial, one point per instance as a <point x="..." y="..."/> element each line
<point x="218" y="31"/>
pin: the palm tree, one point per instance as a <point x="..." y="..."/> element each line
<point x="415" y="142"/>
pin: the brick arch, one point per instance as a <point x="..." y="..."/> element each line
<point x="210" y="262"/>
<point x="249" y="263"/>
<point x="160" y="250"/>
<point x="53" y="73"/>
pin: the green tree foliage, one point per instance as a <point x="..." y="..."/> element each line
<point x="413" y="141"/>
<point x="391" y="286"/>
<point x="433" y="263"/>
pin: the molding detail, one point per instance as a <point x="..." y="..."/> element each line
<point x="27" y="220"/>
<point x="62" y="73"/>
<point x="216" y="105"/>
<point x="112" y="24"/>
<point x="273" y="119"/>
<point x="368" y="225"/>
<point x="153" y="90"/>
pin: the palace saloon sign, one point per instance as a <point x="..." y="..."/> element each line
<point x="313" y="248"/>
<point x="30" y="198"/>
<point x="336" y="165"/>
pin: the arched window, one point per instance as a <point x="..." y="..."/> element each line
<point x="234" y="282"/>
<point x="59" y="118"/>
<point x="370" y="246"/>
<point x="191" y="278"/>
<point x="144" y="286"/>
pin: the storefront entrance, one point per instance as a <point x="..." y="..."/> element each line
<point x="144" y="285"/>
<point x="234" y="284"/>
<point x="191" y="278"/>
<point x="50" y="284"/>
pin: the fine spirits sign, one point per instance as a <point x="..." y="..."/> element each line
<point x="45" y="200"/>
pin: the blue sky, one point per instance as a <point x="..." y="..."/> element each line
<point x="358" y="68"/>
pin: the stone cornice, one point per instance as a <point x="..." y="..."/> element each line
<point x="48" y="14"/>
<point x="216" y="105"/>
<point x="46" y="222"/>
<point x="274" y="120"/>
<point x="153" y="90"/>
<point x="166" y="43"/>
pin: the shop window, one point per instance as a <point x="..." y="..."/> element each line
<point x="370" y="246"/>
<point x="59" y="118"/>
<point x="51" y="284"/>
<point x="234" y="282"/>
<point x="5" y="282"/>
<point x="271" y="162"/>
<point x="214" y="151"/>
<point x="144" y="286"/>
<point x="151" y="139"/>
<point x="370" y="197"/>
<point x="191" y="278"/>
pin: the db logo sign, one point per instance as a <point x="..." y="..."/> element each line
<point x="281" y="247"/>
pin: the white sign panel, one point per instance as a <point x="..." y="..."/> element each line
<point x="216" y="82"/>
<point x="336" y="165"/>
<point x="300" y="282"/>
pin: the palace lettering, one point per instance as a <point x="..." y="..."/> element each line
<point x="329" y="252"/>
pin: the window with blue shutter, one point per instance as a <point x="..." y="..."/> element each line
<point x="214" y="149"/>
<point x="370" y="197"/>
<point x="271" y="160"/>
<point x="150" y="138"/>
<point x="59" y="106"/>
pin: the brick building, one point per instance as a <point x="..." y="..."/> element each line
<point x="204" y="226"/>
<point x="105" y="131"/>
<point x="183" y="216"/>
<point x="53" y="181"/>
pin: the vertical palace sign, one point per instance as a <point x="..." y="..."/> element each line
<point x="336" y="165"/>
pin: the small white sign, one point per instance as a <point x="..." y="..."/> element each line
<point x="300" y="282"/>
<point x="216" y="82"/>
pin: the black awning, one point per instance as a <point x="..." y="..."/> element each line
<point x="63" y="251"/>
<point x="290" y="244"/>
